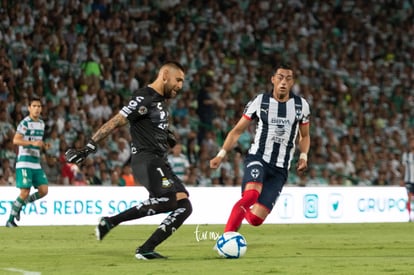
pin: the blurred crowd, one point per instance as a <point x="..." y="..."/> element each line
<point x="353" y="59"/>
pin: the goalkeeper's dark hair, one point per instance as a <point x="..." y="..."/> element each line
<point x="173" y="64"/>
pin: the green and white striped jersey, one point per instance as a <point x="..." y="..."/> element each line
<point x="29" y="156"/>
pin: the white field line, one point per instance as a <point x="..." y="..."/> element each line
<point x="24" y="272"/>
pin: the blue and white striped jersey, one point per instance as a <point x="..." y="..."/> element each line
<point x="277" y="128"/>
<point x="408" y="162"/>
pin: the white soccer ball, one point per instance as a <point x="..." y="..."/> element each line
<point x="231" y="245"/>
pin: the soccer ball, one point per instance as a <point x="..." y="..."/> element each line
<point x="231" y="245"/>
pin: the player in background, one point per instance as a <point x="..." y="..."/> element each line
<point x="408" y="172"/>
<point x="179" y="162"/>
<point x="148" y="122"/>
<point x="29" y="173"/>
<point x="279" y="115"/>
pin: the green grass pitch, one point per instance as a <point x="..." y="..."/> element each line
<point x="371" y="248"/>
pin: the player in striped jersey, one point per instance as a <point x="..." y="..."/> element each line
<point x="29" y="138"/>
<point x="280" y="116"/>
<point x="408" y="171"/>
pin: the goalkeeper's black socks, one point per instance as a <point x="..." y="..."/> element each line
<point x="148" y="207"/>
<point x="169" y="225"/>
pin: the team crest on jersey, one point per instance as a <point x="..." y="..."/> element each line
<point x="166" y="183"/>
<point x="298" y="111"/>
<point x="280" y="130"/>
<point x="255" y="173"/>
<point x="142" y="110"/>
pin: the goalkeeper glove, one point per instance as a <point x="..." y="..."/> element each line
<point x="172" y="141"/>
<point x="77" y="156"/>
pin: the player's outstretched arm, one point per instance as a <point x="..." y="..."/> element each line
<point x="77" y="156"/>
<point x="117" y="121"/>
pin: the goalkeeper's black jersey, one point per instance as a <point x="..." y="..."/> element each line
<point x="148" y="119"/>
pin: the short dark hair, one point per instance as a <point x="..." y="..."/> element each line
<point x="34" y="98"/>
<point x="285" y="66"/>
<point x="174" y="64"/>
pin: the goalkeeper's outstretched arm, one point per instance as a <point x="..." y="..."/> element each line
<point x="78" y="156"/>
<point x="117" y="121"/>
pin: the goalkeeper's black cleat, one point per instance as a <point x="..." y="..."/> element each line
<point x="149" y="255"/>
<point x="103" y="228"/>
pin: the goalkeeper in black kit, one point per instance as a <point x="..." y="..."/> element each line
<point x="148" y="121"/>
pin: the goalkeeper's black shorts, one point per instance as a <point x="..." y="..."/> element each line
<point x="155" y="174"/>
